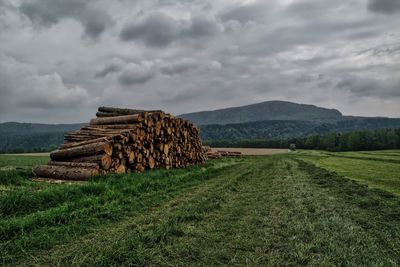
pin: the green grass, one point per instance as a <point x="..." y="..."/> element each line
<point x="257" y="211"/>
<point x="380" y="169"/>
<point x="22" y="161"/>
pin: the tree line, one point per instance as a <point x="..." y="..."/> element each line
<point x="352" y="141"/>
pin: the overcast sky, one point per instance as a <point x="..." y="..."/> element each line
<point x="61" y="59"/>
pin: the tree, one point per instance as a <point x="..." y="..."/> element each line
<point x="292" y="147"/>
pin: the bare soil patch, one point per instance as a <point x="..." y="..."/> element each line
<point x="253" y="151"/>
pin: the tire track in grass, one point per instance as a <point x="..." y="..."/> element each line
<point x="283" y="216"/>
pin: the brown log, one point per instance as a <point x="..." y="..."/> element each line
<point x="65" y="173"/>
<point x="152" y="162"/>
<point x="119" y="126"/>
<point x="131" y="157"/>
<point x="89" y="149"/>
<point x="123" y="111"/>
<point x="74" y="164"/>
<point x="101" y="114"/>
<point x="103" y="160"/>
<point x="117" y="120"/>
<point x="120" y="168"/>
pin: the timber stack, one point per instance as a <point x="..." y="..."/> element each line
<point x="124" y="140"/>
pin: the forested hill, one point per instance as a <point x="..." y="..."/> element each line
<point x="282" y="129"/>
<point x="28" y="137"/>
<point x="267" y="121"/>
<point x="270" y="110"/>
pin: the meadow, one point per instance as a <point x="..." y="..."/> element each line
<point x="302" y="208"/>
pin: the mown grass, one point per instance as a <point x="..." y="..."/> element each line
<point x="379" y="169"/>
<point x="257" y="211"/>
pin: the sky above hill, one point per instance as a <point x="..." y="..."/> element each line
<point x="60" y="60"/>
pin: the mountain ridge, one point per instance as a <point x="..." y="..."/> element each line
<point x="267" y="110"/>
<point x="293" y="120"/>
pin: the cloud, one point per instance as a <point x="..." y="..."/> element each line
<point x="246" y="12"/>
<point x="23" y="87"/>
<point x="187" y="55"/>
<point x="384" y="6"/>
<point x="155" y="30"/>
<point x="114" y="66"/>
<point x="160" y="30"/>
<point x="136" y="73"/>
<point x="179" y="66"/>
<point x="139" y="73"/>
<point x="49" y="12"/>
<point x="365" y="86"/>
<point x="200" y="27"/>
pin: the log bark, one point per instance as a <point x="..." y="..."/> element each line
<point x="118" y="126"/>
<point x="117" y="120"/>
<point x="103" y="160"/>
<point x="85" y="150"/>
<point x="124" y="111"/>
<point x="74" y="164"/>
<point x="65" y="173"/>
<point x="101" y="114"/>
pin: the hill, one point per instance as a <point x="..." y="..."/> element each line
<point x="267" y="121"/>
<point x="281" y="129"/>
<point x="270" y="110"/>
<point x="28" y="137"/>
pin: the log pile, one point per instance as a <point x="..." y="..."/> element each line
<point x="124" y="140"/>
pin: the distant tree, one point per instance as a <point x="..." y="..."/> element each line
<point x="292" y="147"/>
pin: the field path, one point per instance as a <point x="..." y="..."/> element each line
<point x="260" y="211"/>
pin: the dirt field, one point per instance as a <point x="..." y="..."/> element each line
<point x="254" y="151"/>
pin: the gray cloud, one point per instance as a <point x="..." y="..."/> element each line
<point x="185" y="56"/>
<point x="114" y="66"/>
<point x="246" y="12"/>
<point x="363" y="86"/>
<point x="25" y="88"/>
<point x="155" y="30"/>
<point x="384" y="6"/>
<point x="180" y="66"/>
<point x="49" y="12"/>
<point x="136" y="73"/>
<point x="159" y="30"/>
<point x="200" y="27"/>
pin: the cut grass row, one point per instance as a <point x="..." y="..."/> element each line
<point x="371" y="169"/>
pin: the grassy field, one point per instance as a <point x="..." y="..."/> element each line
<point x="303" y="208"/>
<point x="377" y="169"/>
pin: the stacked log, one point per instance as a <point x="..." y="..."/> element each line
<point x="124" y="140"/>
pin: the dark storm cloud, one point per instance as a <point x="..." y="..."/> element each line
<point x="159" y="30"/>
<point x="49" y="12"/>
<point x="384" y="6"/>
